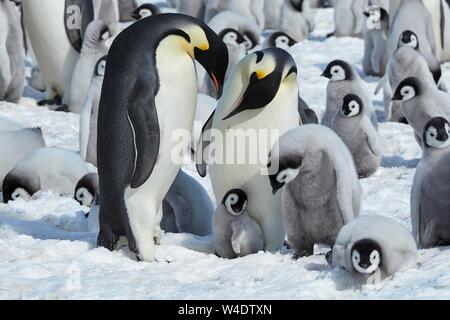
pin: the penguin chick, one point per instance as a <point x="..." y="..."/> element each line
<point x="430" y="203"/>
<point x="235" y="233"/>
<point x="145" y="10"/>
<point x="370" y="255"/>
<point x="297" y="19"/>
<point x="354" y="127"/>
<point x="320" y="188"/>
<point x="279" y="39"/>
<point x="348" y="17"/>
<point x="272" y="11"/>
<point x="86" y="190"/>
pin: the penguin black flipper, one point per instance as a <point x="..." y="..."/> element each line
<point x="143" y="118"/>
<point x="202" y="145"/>
<point x="307" y="115"/>
<point x="77" y="15"/>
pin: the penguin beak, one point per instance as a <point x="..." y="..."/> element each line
<point x="214" y="60"/>
<point x="135" y="15"/>
<point x="259" y="93"/>
<point x="397" y="96"/>
<point x="326" y="74"/>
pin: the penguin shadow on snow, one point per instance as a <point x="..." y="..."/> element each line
<point x="398" y="162"/>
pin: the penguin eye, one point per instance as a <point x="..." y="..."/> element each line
<point x="145" y="13"/>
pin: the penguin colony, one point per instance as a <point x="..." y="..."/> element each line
<point x="116" y="65"/>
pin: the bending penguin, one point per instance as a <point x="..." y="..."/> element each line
<point x="261" y="94"/>
<point x="297" y="19"/>
<point x="370" y="255"/>
<point x="12" y="53"/>
<point x="149" y="91"/>
<point x="89" y="115"/>
<point x="321" y="192"/>
<point x="353" y="126"/>
<point x="44" y="169"/>
<point x="236" y="234"/>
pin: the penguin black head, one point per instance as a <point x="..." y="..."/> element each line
<point x="100" y="67"/>
<point x="86" y="190"/>
<point x="145" y="10"/>
<point x="232" y="37"/>
<point x="436" y="133"/>
<point x="281" y="40"/>
<point x="265" y="70"/>
<point x="408" y="39"/>
<point x="352" y="106"/>
<point x="251" y="40"/>
<point x="408" y="89"/>
<point x="376" y="16"/>
<point x="235" y="201"/>
<point x="288" y="169"/>
<point x="297" y="4"/>
<point x="17" y="185"/>
<point x="338" y="70"/>
<point x="366" y="256"/>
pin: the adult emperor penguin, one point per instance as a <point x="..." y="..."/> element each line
<point x="259" y="103"/>
<point x="353" y="126"/>
<point x="321" y="189"/>
<point x="297" y="19"/>
<point x="421" y="101"/>
<point x="86" y="190"/>
<point x="149" y="92"/>
<point x="17" y="145"/>
<point x="55" y="30"/>
<point x="89" y="115"/>
<point x="236" y="234"/>
<point x="12" y="54"/>
<point x="370" y="255"/>
<point x="272" y="11"/>
<point x="279" y="39"/>
<point x="94" y="47"/>
<point x="349" y="17"/>
<point x="429" y="203"/>
<point x="44" y="169"/>
<point x="405" y="62"/>
<point x="344" y="79"/>
<point x="412" y="15"/>
<point x="145" y="10"/>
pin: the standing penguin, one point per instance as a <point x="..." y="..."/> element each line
<point x="413" y="15"/>
<point x="236" y="234"/>
<point x="260" y="96"/>
<point x="420" y="102"/>
<point x="405" y="62"/>
<point x="89" y="115"/>
<point x="354" y="127"/>
<point x="344" y="80"/>
<point x="279" y="39"/>
<point x="430" y="203"/>
<point x="349" y="17"/>
<point x="375" y="33"/>
<point x="272" y="11"/>
<point x="321" y="189"/>
<point x="372" y="248"/>
<point x="94" y="47"/>
<point x="12" y="54"/>
<point x="297" y="19"/>
<point x="149" y="91"/>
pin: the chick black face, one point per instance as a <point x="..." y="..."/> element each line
<point x="437" y="133"/>
<point x="235" y="201"/>
<point x="366" y="256"/>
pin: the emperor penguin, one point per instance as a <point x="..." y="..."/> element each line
<point x="429" y="201"/>
<point x="12" y="53"/>
<point x="187" y="207"/>
<point x="249" y="29"/>
<point x="405" y="62"/>
<point x="375" y="34"/>
<point x="279" y="39"/>
<point x="89" y="114"/>
<point x="353" y="126"/>
<point x="145" y="10"/>
<point x="420" y="102"/>
<point x="252" y="10"/>
<point x="412" y="15"/>
<point x="272" y="11"/>
<point x="86" y="190"/>
<point x="55" y="30"/>
<point x="17" y="145"/>
<point x="320" y="188"/>
<point x="349" y="17"/>
<point x="94" y="47"/>
<point x="236" y="234"/>
<point x="128" y="7"/>
<point x="344" y="79"/>
<point x="297" y="19"/>
<point x="260" y="103"/>
<point x="148" y="97"/>
<point x="44" y="169"/>
<point x="370" y="255"/>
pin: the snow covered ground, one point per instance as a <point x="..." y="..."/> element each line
<point x="47" y="252"/>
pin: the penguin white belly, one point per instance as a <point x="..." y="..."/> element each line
<point x="262" y="206"/>
<point x="44" y="22"/>
<point x="434" y="6"/>
<point x="175" y="105"/>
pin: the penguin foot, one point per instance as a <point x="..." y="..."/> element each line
<point x="56" y="101"/>
<point x="107" y="240"/>
<point x="301" y="254"/>
<point x="329" y="257"/>
<point x="330" y="35"/>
